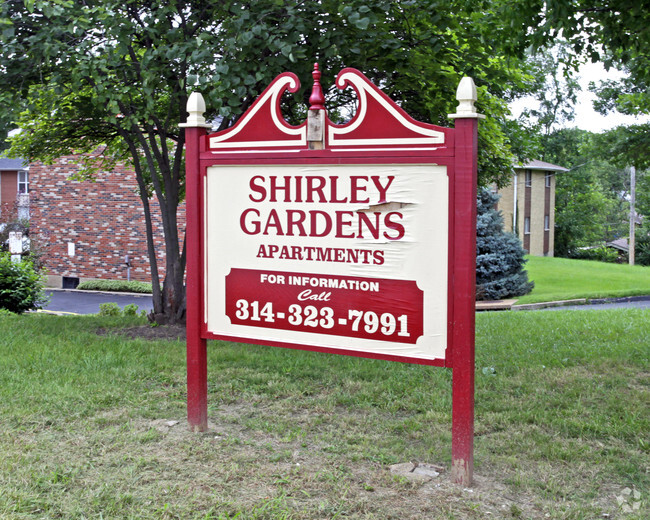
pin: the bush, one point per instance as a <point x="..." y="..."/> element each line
<point x="113" y="309"/>
<point x="21" y="286"/>
<point x="110" y="309"/>
<point x="115" y="286"/>
<point x="499" y="255"/>
<point x="600" y="254"/>
<point x="642" y="242"/>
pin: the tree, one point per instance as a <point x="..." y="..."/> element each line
<point x="614" y="32"/>
<point x="499" y="255"/>
<point x="617" y="30"/>
<point x="590" y="198"/>
<point x="116" y="75"/>
<point x="555" y="90"/>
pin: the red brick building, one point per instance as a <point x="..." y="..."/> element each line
<point x="89" y="227"/>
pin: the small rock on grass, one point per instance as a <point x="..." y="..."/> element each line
<point x="416" y="470"/>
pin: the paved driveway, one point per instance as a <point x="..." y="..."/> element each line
<point x="85" y="302"/>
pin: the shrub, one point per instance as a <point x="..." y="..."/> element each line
<point x="113" y="309"/>
<point x="499" y="255"/>
<point x="130" y="310"/>
<point x="110" y="309"/>
<point x="115" y="286"/>
<point x="642" y="249"/>
<point x="21" y="286"/>
<point x="600" y="254"/>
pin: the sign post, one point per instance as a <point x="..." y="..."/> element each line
<point x="462" y="449"/>
<point x="356" y="239"/>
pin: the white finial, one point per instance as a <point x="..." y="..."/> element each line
<point x="195" y="110"/>
<point x="466" y="96"/>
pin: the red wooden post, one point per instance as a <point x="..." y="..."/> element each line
<point x="462" y="428"/>
<point x="197" y="365"/>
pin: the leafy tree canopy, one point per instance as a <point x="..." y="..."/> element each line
<point x="608" y="30"/>
<point x="591" y="198"/>
<point x="118" y="74"/>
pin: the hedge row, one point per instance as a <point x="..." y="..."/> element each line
<point x="115" y="286"/>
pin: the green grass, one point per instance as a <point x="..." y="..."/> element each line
<point x="566" y="279"/>
<point x="561" y="425"/>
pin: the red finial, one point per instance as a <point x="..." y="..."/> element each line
<point x="317" y="99"/>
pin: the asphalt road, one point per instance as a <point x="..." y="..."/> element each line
<point x="84" y="302"/>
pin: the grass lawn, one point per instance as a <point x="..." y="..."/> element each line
<point x="566" y="279"/>
<point x="88" y="426"/>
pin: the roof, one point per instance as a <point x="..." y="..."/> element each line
<point x="541" y="165"/>
<point x="620" y="244"/>
<point x="12" y="164"/>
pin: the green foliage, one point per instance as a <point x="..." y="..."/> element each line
<point x="600" y="254"/>
<point x="115" y="286"/>
<point x="109" y="309"/>
<point x="643" y="192"/>
<point x="113" y="309"/>
<point x="627" y="145"/>
<point x="616" y="30"/>
<point x="617" y="33"/>
<point x="555" y="91"/>
<point x="21" y="286"/>
<point x="499" y="255"/>
<point x="642" y="245"/>
<point x="130" y="309"/>
<point x="590" y="199"/>
<point x="113" y="78"/>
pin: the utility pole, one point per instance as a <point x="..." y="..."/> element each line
<point x="632" y="241"/>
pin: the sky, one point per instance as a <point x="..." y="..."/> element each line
<point x="586" y="117"/>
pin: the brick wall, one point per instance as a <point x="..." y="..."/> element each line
<point x="104" y="221"/>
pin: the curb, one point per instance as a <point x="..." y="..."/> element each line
<point x="144" y="295"/>
<point x="544" y="305"/>
<point x="509" y="305"/>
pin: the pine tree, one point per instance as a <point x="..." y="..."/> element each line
<point x="499" y="255"/>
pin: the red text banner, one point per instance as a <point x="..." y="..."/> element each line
<point x="369" y="308"/>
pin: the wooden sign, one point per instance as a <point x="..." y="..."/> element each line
<point x="356" y="239"/>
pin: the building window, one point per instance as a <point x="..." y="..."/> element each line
<point x="547" y="179"/>
<point x="529" y="178"/>
<point x="527" y="226"/>
<point x="23" y="181"/>
<point x="547" y="223"/>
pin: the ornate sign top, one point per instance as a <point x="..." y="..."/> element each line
<point x="378" y="122"/>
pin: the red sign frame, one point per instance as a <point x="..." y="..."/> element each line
<point x="379" y="133"/>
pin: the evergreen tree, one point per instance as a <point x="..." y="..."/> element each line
<point x="499" y="255"/>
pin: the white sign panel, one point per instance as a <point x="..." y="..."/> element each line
<point x="15" y="243"/>
<point x="336" y="256"/>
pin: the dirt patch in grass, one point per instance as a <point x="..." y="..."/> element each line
<point x="147" y="332"/>
<point x="259" y="475"/>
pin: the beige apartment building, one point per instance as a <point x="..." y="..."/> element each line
<point x="528" y="206"/>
